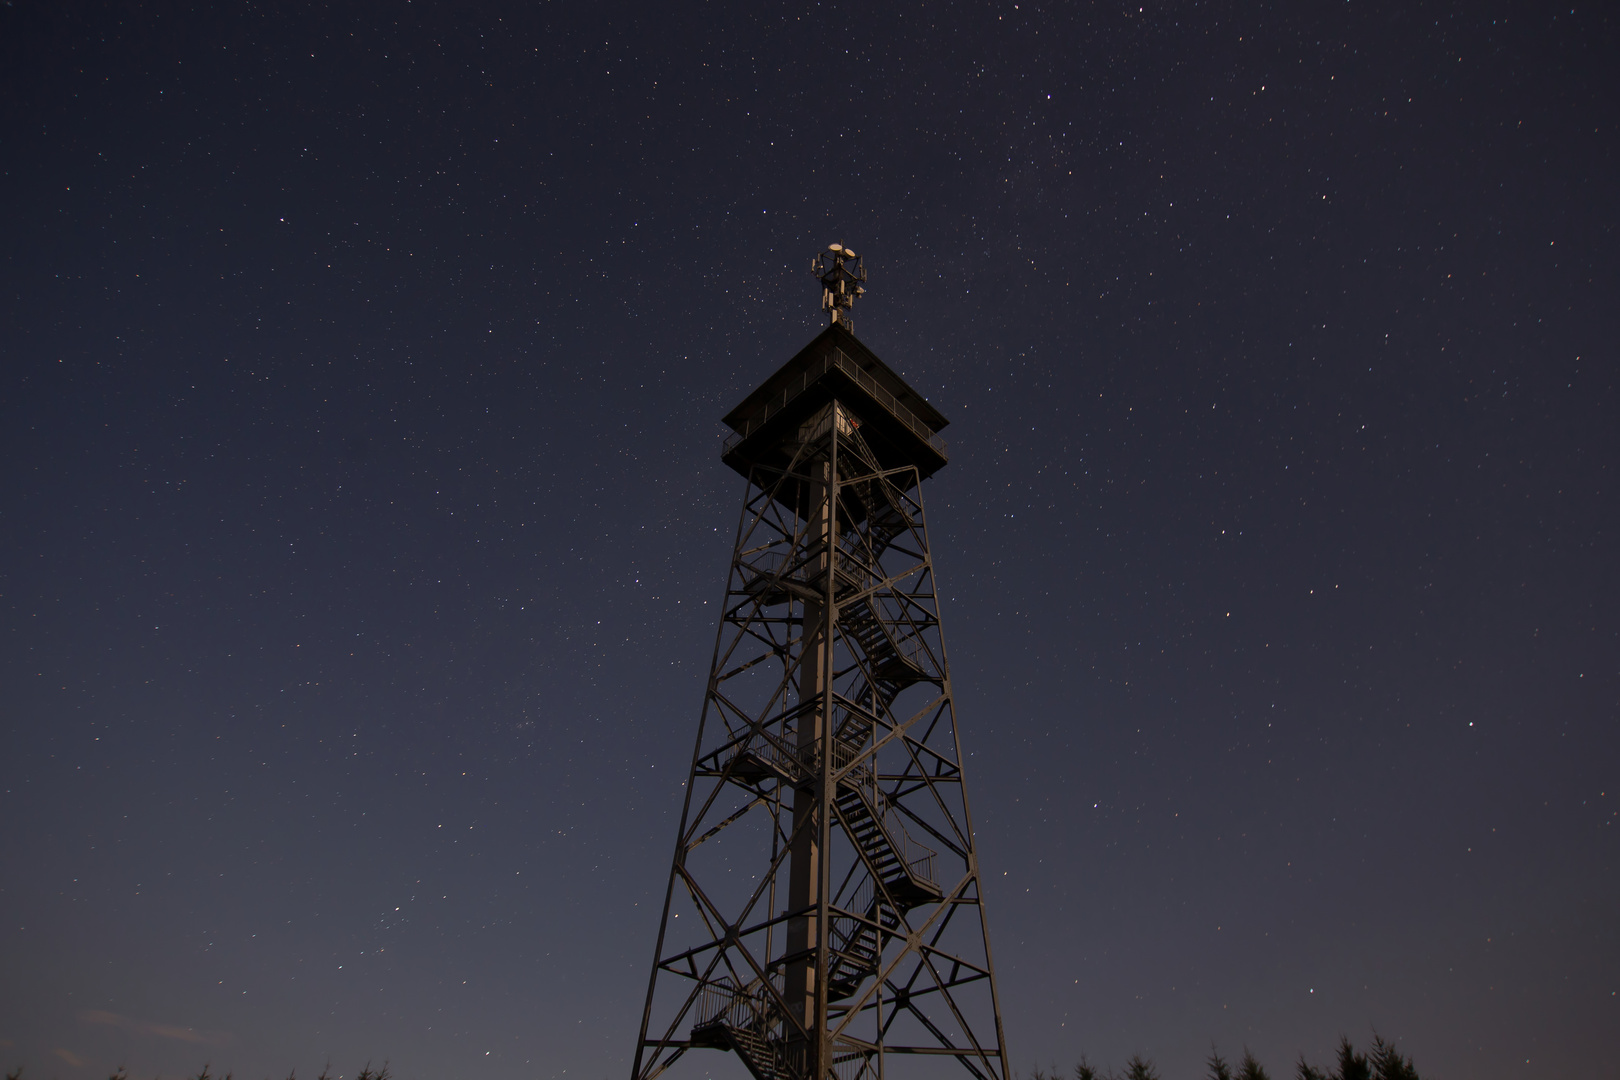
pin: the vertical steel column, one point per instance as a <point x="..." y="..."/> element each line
<point x="822" y="1061"/>
<point x="809" y="813"/>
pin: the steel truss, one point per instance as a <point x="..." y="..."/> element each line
<point x="823" y="914"/>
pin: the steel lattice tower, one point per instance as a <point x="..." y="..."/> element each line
<point x="823" y="915"/>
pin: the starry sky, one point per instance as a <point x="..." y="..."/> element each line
<point x="364" y="525"/>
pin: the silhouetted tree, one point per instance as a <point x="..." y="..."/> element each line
<point x="1388" y="1062"/>
<point x="366" y="1073"/>
<point x="1384" y="1063"/>
<point x="1084" y="1071"/>
<point x="1306" y="1072"/>
<point x="1352" y="1066"/>
<point x="1250" y="1069"/>
<point x="1138" y="1069"/>
<point x="1218" y="1068"/>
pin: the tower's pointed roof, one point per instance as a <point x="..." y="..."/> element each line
<point x="896" y="422"/>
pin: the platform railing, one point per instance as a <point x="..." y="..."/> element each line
<point x="748" y="1011"/>
<point x="819" y="367"/>
<point x="761" y="569"/>
<point x="731" y="1005"/>
<point x="794" y="761"/>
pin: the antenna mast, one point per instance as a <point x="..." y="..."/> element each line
<point x="843" y="277"/>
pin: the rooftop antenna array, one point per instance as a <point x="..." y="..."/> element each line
<point x="843" y="277"/>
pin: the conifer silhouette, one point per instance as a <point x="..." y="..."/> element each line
<point x="1139" y="1069"/>
<point x="1306" y="1072"/>
<point x="1251" y="1069"/>
<point x="1352" y="1066"/>
<point x="1389" y="1064"/>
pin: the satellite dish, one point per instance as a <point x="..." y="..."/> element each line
<point x="835" y="247"/>
<point x="850" y="253"/>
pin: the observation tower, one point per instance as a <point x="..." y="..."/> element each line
<point x="823" y="917"/>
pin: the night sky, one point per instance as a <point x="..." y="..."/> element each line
<point x="364" y="526"/>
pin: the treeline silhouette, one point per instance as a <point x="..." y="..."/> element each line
<point x="367" y="1073"/>
<point x="1383" y="1062"/>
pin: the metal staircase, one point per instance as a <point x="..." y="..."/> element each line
<point x="857" y="950"/>
<point x="742" y="1021"/>
<point x="890" y="658"/>
<point x="886" y="518"/>
<point x="905" y="867"/>
<point x="899" y="873"/>
<point x="761" y="758"/>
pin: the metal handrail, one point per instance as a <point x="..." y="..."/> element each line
<point x="775" y="405"/>
<point x="795" y="760"/>
<point x="731" y="1005"/>
<point x="911" y="648"/>
<point x="748" y="1007"/>
<point x="767" y="567"/>
<point x="840" y="360"/>
<point x="919" y="858"/>
<point x="861" y="901"/>
<point x="789" y="759"/>
<point x="887" y="400"/>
